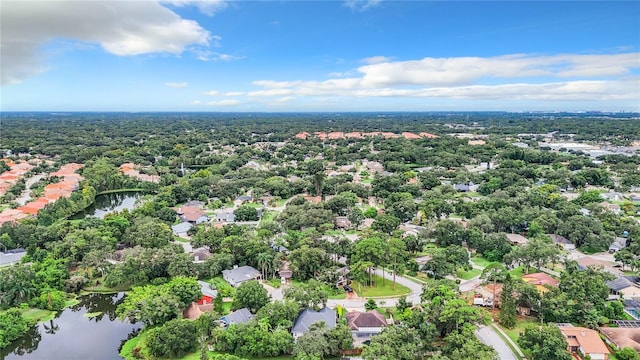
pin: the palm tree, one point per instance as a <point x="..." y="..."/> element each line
<point x="52" y="328"/>
<point x="264" y="258"/>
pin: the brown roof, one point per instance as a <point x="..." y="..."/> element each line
<point x="623" y="337"/>
<point x="372" y="318"/>
<point x="409" y="135"/>
<point x="540" y="279"/>
<point x="517" y="239"/>
<point x="587" y="339"/>
<point x="195" y="310"/>
<point x="191" y="214"/>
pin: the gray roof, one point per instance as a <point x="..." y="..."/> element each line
<point x="206" y="289"/>
<point x="240" y="316"/>
<point x="618" y="243"/>
<point x="226" y="216"/>
<point x="12" y="256"/>
<point x="308" y="317"/>
<point x="559" y="239"/>
<point x="240" y="274"/>
<point x="183" y="227"/>
<point x="619" y="283"/>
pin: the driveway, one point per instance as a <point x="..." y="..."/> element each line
<point x="488" y="336"/>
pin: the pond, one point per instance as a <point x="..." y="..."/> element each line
<point x="108" y="203"/>
<point x="72" y="335"/>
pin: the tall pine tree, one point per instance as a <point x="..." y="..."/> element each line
<point x="507" y="315"/>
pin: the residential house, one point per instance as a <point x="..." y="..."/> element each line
<point x="466" y="187"/>
<point x="239" y="316"/>
<point x="200" y="255"/>
<point x="208" y="294"/>
<point x="308" y="317"/>
<point x="366" y="223"/>
<point x="226" y="216"/>
<point x="626" y="287"/>
<point x="615" y="208"/>
<point x="181" y="229"/>
<point x="612" y="196"/>
<point x="540" y="281"/>
<point x="621" y="337"/>
<point x="618" y="244"/>
<point x="585" y="341"/>
<point x="238" y="275"/>
<point x="562" y="242"/>
<point x="342" y="222"/>
<point x="192" y="215"/>
<point x="517" y="239"/>
<point x="634" y="197"/>
<point x="365" y="325"/>
<point x="243" y="199"/>
<point x="285" y="273"/>
<point x="11" y="257"/>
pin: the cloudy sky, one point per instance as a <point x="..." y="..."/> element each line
<point x="370" y="55"/>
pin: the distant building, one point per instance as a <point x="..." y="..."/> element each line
<point x="181" y="229"/>
<point x="238" y="275"/>
<point x="585" y="341"/>
<point x="365" y="325"/>
<point x="562" y="242"/>
<point x="239" y="316"/>
<point x="309" y="317"/>
<point x="517" y="239"/>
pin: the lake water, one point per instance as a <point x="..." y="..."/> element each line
<point x="108" y="203"/>
<point x="73" y="336"/>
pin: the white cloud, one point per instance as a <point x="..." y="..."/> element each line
<point x="196" y="102"/>
<point x="516" y="77"/>
<point x="207" y="7"/>
<point x="361" y="5"/>
<point x="286" y="99"/>
<point x="121" y="28"/>
<point x="212" y="93"/>
<point x="207" y="55"/>
<point x="376" y="60"/>
<point x="228" y="102"/>
<point x="233" y="93"/>
<point x="177" y="85"/>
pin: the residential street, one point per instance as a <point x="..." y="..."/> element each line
<point x="487" y="335"/>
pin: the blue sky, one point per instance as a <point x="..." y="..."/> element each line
<point x="183" y="55"/>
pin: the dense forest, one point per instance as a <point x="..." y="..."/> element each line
<point x="419" y="207"/>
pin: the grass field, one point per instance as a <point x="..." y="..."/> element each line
<point x="466" y="275"/>
<point x="519" y="271"/>
<point x="383" y="289"/>
<point x="268" y="216"/>
<point x="522" y="322"/>
<point x="480" y="261"/>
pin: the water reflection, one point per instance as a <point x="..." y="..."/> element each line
<point x="108" y="203"/>
<point x="72" y="335"/>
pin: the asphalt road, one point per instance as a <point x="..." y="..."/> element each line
<point x="488" y="336"/>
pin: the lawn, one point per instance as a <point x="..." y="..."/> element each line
<point x="519" y="271"/>
<point x="480" y="261"/>
<point x="522" y="322"/>
<point x="268" y="216"/>
<point x="37" y="315"/>
<point x="383" y="289"/>
<point x="466" y="275"/>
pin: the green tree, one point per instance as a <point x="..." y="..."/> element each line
<point x="394" y="343"/>
<point x="627" y="353"/>
<point x="385" y="223"/>
<point x="173" y="339"/>
<point x="312" y="294"/>
<point x="544" y="342"/>
<point x="246" y="212"/>
<point x="252" y="295"/>
<point x="12" y="326"/>
<point x="507" y="314"/>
